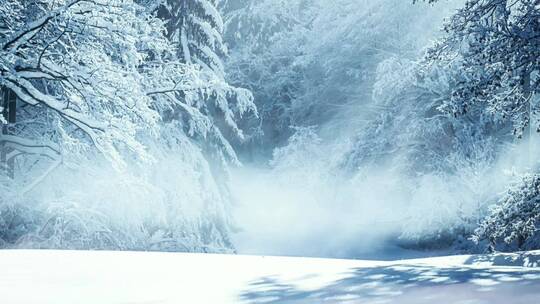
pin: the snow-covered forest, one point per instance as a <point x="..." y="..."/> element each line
<point x="344" y="128"/>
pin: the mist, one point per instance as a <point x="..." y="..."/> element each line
<point x="269" y="151"/>
<point x="306" y="127"/>
<point x="306" y="200"/>
<point x="301" y="206"/>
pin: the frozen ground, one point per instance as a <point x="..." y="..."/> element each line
<point x="67" y="277"/>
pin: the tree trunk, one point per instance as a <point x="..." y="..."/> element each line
<point x="9" y="104"/>
<point x="527" y="132"/>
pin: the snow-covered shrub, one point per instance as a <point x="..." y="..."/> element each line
<point x="444" y="209"/>
<point x="174" y="204"/>
<point x="514" y="222"/>
<point x="302" y="150"/>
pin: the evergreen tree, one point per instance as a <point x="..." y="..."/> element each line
<point x="196" y="27"/>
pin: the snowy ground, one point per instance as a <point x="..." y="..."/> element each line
<point x="67" y="277"/>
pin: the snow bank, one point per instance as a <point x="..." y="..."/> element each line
<point x="126" y="277"/>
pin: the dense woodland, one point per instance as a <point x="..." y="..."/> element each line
<point x="124" y="120"/>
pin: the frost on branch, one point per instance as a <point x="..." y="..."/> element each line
<point x="513" y="224"/>
<point x="105" y="97"/>
<point x="495" y="43"/>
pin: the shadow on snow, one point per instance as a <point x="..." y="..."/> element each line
<point x="410" y="284"/>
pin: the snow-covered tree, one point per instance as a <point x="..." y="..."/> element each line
<point x="313" y="62"/>
<point x="265" y="38"/>
<point x="195" y="26"/>
<point x="195" y="29"/>
<point x="71" y="64"/>
<point x="443" y="158"/>
<point x="496" y="44"/>
<point x="100" y="82"/>
<point x="514" y="223"/>
<point x="493" y="47"/>
<point x="414" y="133"/>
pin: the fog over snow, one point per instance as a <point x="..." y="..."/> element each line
<point x="367" y="130"/>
